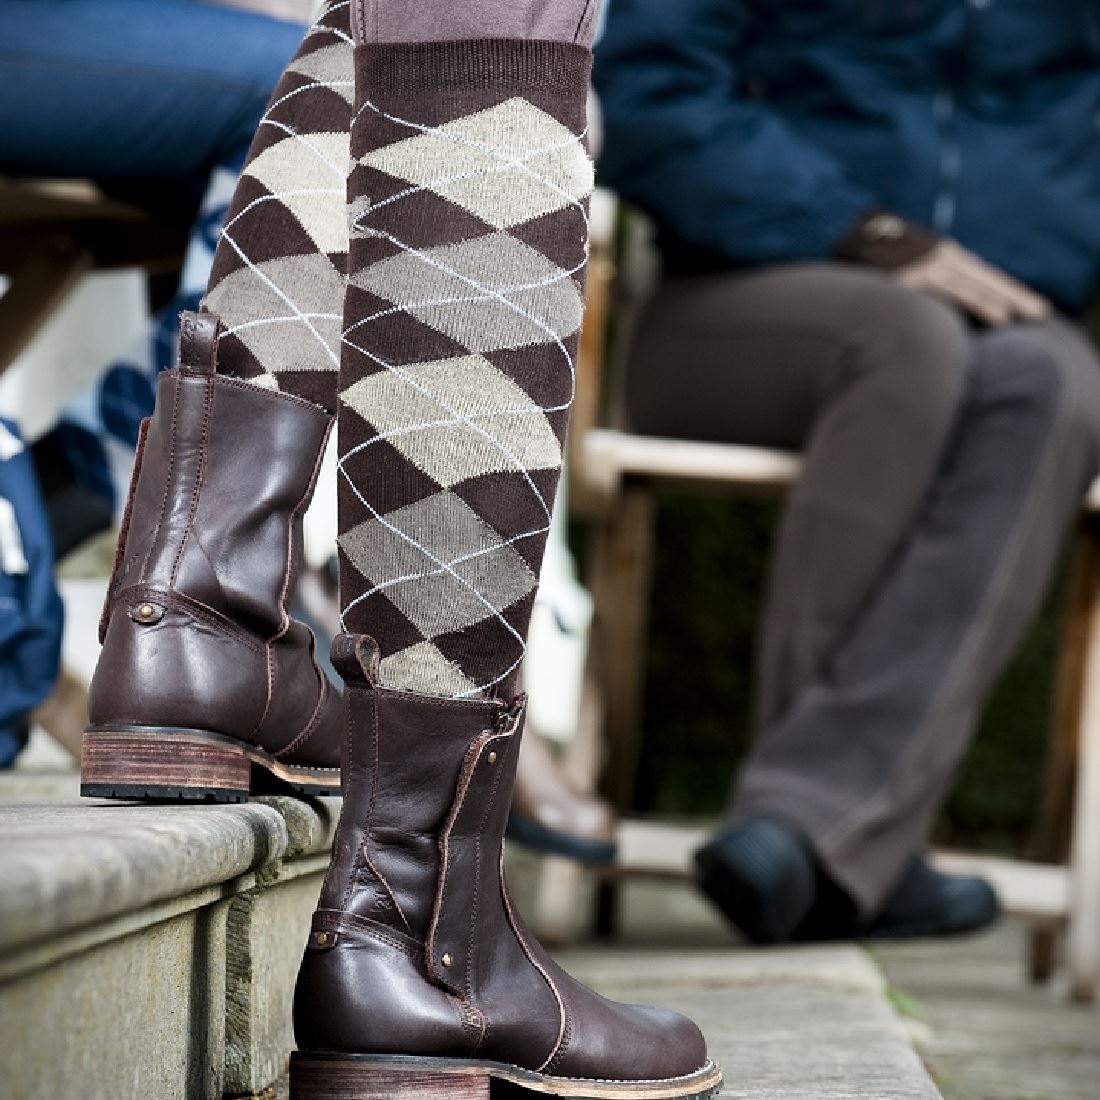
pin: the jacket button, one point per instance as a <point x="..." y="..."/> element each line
<point x="146" y="611"/>
<point x="322" y="939"/>
<point x="492" y="758"/>
<point x="447" y="960"/>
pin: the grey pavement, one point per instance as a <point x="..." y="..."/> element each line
<point x="985" y="1033"/>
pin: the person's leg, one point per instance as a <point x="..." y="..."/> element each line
<point x="209" y="553"/>
<point x="277" y="283"/>
<point x="861" y="375"/>
<point x="124" y="90"/>
<point x="860" y="761"/>
<point x="469" y="241"/>
<point x="277" y="280"/>
<point x="468" y="246"/>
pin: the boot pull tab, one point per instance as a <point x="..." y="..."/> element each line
<point x="356" y="658"/>
<point x="199" y="334"/>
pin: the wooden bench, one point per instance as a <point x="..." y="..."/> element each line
<point x="53" y="232"/>
<point x="614" y="476"/>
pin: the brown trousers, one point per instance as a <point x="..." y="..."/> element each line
<point x="943" y="468"/>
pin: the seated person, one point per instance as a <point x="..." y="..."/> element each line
<point x="880" y="225"/>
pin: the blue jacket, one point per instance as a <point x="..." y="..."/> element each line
<point x="756" y="131"/>
<point x="31" y="615"/>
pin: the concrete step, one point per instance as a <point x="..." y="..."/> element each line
<point x="149" y="952"/>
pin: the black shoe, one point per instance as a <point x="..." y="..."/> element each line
<point x="537" y="837"/>
<point x="928" y="902"/>
<point x="761" y="875"/>
<point x="764" y="878"/>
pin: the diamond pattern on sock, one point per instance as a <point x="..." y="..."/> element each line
<point x="445" y="568"/>
<point x="489" y="426"/>
<point x="468" y="245"/>
<point x="278" y="276"/>
<point x="488" y="293"/>
<point x="532" y="155"/>
<point x="299" y="334"/>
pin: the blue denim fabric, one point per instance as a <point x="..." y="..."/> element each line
<point x="31" y="615"/>
<point x="134" y="89"/>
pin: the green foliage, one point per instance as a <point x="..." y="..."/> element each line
<point x="904" y="1005"/>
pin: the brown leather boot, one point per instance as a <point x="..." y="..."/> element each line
<point x="205" y="685"/>
<point x="420" y="979"/>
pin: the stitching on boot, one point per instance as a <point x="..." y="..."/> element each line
<point x="187" y="605"/>
<point x="357" y="859"/>
<point x="385" y="885"/>
<point x="118" y="570"/>
<point x="200" y="480"/>
<point x="471" y="939"/>
<point x="469" y="763"/>
<point x="270" y="691"/>
<point x="334" y="920"/>
<point x="168" y="476"/>
<point x="314" y="722"/>
<point x="565" y="1021"/>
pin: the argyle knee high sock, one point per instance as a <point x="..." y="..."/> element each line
<point x="278" y="277"/>
<point x="469" y="238"/>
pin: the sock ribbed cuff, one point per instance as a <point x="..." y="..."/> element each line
<point x="498" y="65"/>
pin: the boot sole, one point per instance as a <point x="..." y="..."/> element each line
<point x="390" y="1077"/>
<point x="164" y="764"/>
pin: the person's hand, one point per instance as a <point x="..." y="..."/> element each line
<point x="986" y="292"/>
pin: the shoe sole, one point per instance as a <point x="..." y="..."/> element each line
<point x="163" y="764"/>
<point x="319" y="1076"/>
<point x="539" y="838"/>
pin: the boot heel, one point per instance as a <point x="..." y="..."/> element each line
<point x="163" y="764"/>
<point x="332" y="1077"/>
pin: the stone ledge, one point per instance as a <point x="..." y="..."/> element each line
<point x="155" y="946"/>
<point x="68" y="863"/>
<point x="785" y="1024"/>
<point x="156" y="949"/>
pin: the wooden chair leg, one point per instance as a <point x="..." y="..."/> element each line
<point x="38" y="286"/>
<point x="558" y="903"/>
<point x="1083" y="938"/>
<point x="1050" y="838"/>
<point x="619" y="580"/>
<point x="620" y="587"/>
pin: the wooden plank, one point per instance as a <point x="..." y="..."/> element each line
<point x="609" y="456"/>
<point x="650" y="849"/>
<point x="613" y="455"/>
<point x="1036" y="890"/>
<point x="1052" y="830"/>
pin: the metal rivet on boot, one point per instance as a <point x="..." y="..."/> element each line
<point x="492" y="758"/>
<point x="447" y="960"/>
<point x="147" y="613"/>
